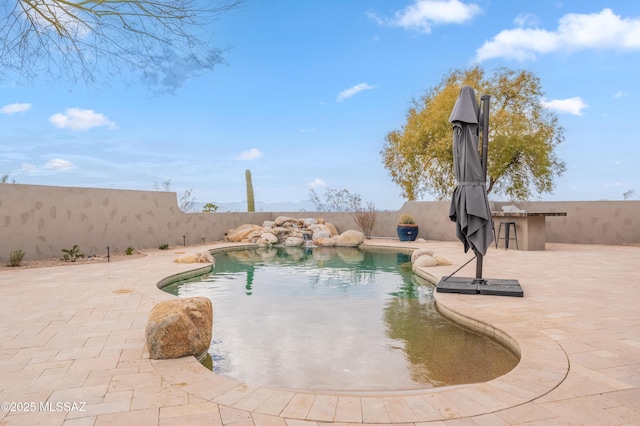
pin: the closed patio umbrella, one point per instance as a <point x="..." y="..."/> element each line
<point x="469" y="204"/>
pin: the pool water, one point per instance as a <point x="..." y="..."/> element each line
<point x="336" y="319"/>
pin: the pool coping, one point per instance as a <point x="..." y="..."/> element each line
<point x="432" y="404"/>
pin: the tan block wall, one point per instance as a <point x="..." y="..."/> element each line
<point x="43" y="220"/>
<point x="589" y="222"/>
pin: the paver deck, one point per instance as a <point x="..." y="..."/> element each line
<point x="75" y="336"/>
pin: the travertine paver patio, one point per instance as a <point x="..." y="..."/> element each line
<point x="76" y="335"/>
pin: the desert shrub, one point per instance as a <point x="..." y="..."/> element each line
<point x="15" y="258"/>
<point x="406" y="219"/>
<point x="365" y="218"/>
<point x="164" y="246"/>
<point x="129" y="251"/>
<point x="72" y="254"/>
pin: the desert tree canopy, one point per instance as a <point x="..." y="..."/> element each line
<point x="523" y="136"/>
<point x="161" y="43"/>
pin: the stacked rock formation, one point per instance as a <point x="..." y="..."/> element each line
<point x="290" y="231"/>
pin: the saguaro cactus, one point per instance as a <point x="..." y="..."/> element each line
<point x="251" y="206"/>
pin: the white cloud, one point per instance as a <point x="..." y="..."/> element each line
<point x="58" y="164"/>
<point x="13" y="108"/>
<point x="80" y="119"/>
<point x="249" y="155"/>
<point x="26" y="167"/>
<point x="317" y="183"/>
<point x="526" y="20"/>
<point x="520" y="44"/>
<point x="603" y="30"/>
<point x="423" y="14"/>
<point x="573" y="106"/>
<point x="620" y="94"/>
<point x="347" y="93"/>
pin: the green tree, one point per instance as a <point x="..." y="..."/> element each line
<point x="84" y="40"/>
<point x="523" y="136"/>
<point x="210" y="208"/>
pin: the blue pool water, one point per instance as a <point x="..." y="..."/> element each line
<point x="336" y="319"/>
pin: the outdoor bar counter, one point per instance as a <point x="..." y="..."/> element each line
<point x="530" y="228"/>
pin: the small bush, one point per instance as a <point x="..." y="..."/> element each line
<point x="365" y="218"/>
<point x="15" y="258"/>
<point x="406" y="219"/>
<point x="129" y="251"/>
<point x="72" y="254"/>
<point x="164" y="246"/>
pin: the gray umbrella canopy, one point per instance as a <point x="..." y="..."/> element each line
<point x="469" y="204"/>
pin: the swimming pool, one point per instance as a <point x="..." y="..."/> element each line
<point x="336" y="319"/>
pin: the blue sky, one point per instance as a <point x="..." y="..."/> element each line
<point x="310" y="89"/>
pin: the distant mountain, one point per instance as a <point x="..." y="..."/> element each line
<point x="241" y="206"/>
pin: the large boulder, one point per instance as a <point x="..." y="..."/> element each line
<point x="178" y="328"/>
<point x="282" y="220"/>
<point x="267" y="239"/>
<point x="309" y="221"/>
<point x="350" y="238"/>
<point x="332" y="229"/>
<point x="244" y="233"/>
<point x="280" y="231"/>
<point x="294" y="242"/>
<point x="421" y="252"/>
<point x="320" y="231"/>
<point x="202" y="257"/>
<point x="324" y="242"/>
<point x="425" y="261"/>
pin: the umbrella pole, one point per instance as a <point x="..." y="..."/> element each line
<point x="479" y="279"/>
<point x="485" y="100"/>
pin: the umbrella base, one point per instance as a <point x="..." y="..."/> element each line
<point x="488" y="286"/>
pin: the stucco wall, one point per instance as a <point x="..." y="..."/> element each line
<point x="589" y="222"/>
<point x="43" y="220"/>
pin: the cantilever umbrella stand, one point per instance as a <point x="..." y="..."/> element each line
<point x="474" y="230"/>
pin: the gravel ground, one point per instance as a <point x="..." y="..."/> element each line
<point x="57" y="261"/>
<point x="43" y="263"/>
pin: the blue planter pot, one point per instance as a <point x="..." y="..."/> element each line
<point x="407" y="232"/>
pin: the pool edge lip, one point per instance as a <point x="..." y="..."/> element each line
<point x="516" y="387"/>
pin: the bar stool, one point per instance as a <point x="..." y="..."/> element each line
<point x="507" y="237"/>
